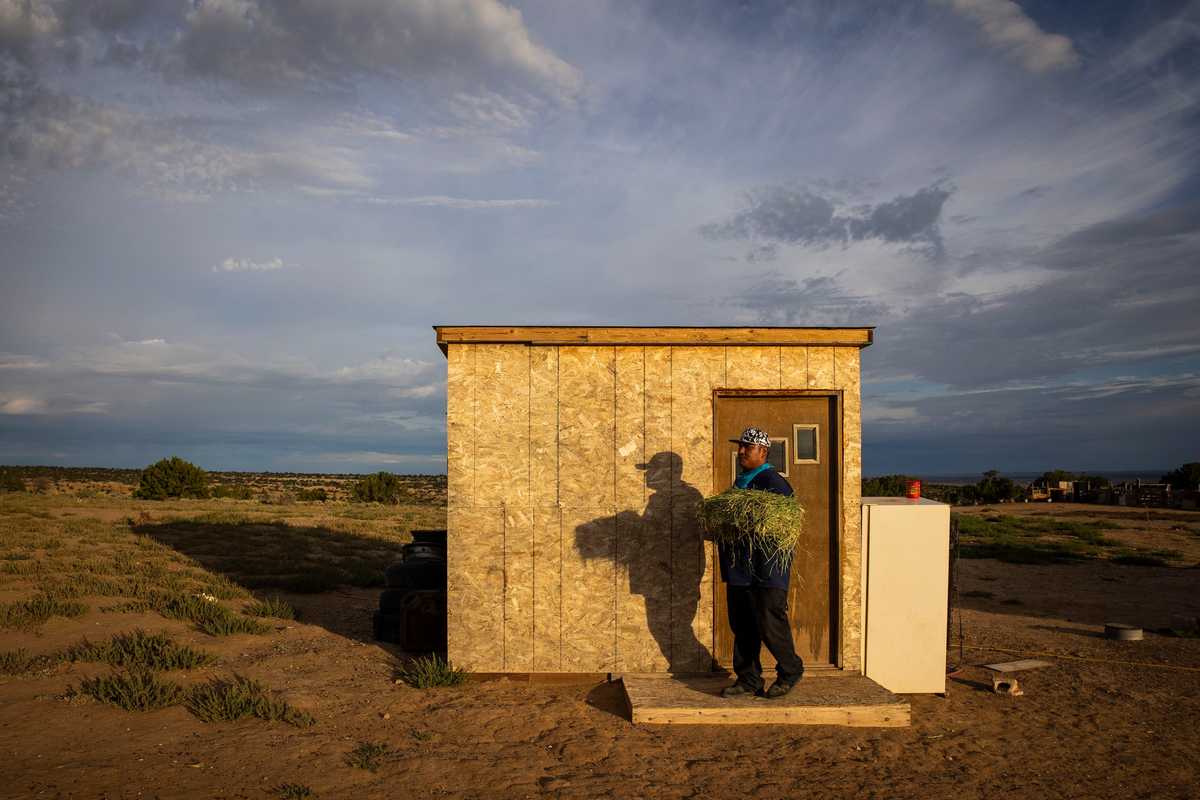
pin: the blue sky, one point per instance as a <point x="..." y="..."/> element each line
<point x="226" y="226"/>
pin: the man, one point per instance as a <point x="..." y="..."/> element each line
<point x="757" y="590"/>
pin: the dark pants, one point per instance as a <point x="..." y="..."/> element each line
<point x="759" y="616"/>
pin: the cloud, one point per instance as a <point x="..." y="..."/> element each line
<point x="777" y="300"/>
<point x="802" y="216"/>
<point x="466" y="203"/>
<point x="1008" y="28"/>
<point x="248" y="265"/>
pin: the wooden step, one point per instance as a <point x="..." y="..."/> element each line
<point x="847" y="700"/>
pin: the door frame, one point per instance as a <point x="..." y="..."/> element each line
<point x="837" y="578"/>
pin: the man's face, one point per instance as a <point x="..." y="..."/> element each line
<point x="751" y="456"/>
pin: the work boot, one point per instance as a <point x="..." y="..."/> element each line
<point x="781" y="687"/>
<point x="738" y="690"/>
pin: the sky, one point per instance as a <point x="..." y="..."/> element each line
<point x="227" y="226"/>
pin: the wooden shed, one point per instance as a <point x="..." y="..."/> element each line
<point x="576" y="459"/>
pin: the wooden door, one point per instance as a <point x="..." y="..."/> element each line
<point x="805" y="450"/>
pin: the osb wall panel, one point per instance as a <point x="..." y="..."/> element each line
<point x="695" y="373"/>
<point x="630" y="365"/>
<point x="589" y="617"/>
<point x="518" y="589"/>
<point x="475" y="588"/>
<point x="543" y="426"/>
<point x="848" y="379"/>
<point x="820" y="367"/>
<point x="574" y="473"/>
<point x="547" y="589"/>
<point x="793" y="367"/>
<point x="460" y="425"/>
<point x="586" y="419"/>
<point x="752" y="367"/>
<point x="501" y="425"/>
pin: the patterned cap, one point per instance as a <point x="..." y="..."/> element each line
<point x="754" y="436"/>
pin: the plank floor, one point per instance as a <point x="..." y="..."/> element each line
<point x="848" y="700"/>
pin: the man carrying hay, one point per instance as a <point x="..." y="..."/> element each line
<point x="757" y="586"/>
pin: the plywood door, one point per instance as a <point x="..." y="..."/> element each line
<point x="812" y="593"/>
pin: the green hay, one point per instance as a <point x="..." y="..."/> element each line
<point x="765" y="522"/>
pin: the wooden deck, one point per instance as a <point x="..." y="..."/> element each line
<point x="834" y="699"/>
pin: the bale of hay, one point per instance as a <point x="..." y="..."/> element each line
<point x="760" y="521"/>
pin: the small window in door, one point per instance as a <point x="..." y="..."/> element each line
<point x="807" y="444"/>
<point x="777" y="457"/>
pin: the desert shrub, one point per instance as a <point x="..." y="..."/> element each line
<point x="318" y="495"/>
<point x="271" y="607"/>
<point x="172" y="477"/>
<point x="294" y="791"/>
<point x="139" y="690"/>
<point x="382" y="487"/>
<point x="14" y="662"/>
<point x="211" y="618"/>
<point x="11" y="481"/>
<point x="31" y="613"/>
<point x="232" y="492"/>
<point x="367" y="755"/>
<point x="141" y="650"/>
<point x="429" y="671"/>
<point x="240" y="697"/>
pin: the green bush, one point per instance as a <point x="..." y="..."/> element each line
<point x="11" y="482"/>
<point x="382" y="487"/>
<point x="172" y="477"/>
<point x="318" y="495"/>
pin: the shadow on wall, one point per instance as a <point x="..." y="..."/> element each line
<point x="662" y="552"/>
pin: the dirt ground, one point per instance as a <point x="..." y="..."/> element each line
<point x="1108" y="719"/>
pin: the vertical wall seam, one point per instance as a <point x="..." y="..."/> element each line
<point x="616" y="506"/>
<point x="558" y="487"/>
<point x="532" y="517"/>
<point x="504" y="585"/>
<point x="671" y="505"/>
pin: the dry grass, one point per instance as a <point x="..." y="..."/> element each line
<point x="141" y="651"/>
<point x="138" y="690"/>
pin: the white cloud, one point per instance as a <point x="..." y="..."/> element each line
<point x="21" y="404"/>
<point x="375" y="457"/>
<point x="1008" y="28"/>
<point x="248" y="265"/>
<point x="467" y="203"/>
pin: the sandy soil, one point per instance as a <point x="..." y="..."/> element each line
<point x="1108" y="719"/>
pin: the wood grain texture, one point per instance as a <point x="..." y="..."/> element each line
<point x="518" y="589"/>
<point x="695" y="373"/>
<point x="475" y="588"/>
<point x="793" y="368"/>
<point x="820" y="368"/>
<point x="501" y="425"/>
<point x="630" y="428"/>
<point x="547" y="588"/>
<point x="587" y="416"/>
<point x="752" y="367"/>
<point x="543" y="426"/>
<point x="853" y="701"/>
<point x="460" y="425"/>
<point x="847" y="376"/>
<point x="589" y="633"/>
<point x="562" y="335"/>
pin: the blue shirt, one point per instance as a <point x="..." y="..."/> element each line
<point x="737" y="568"/>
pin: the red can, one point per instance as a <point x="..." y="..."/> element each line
<point x="913" y="490"/>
